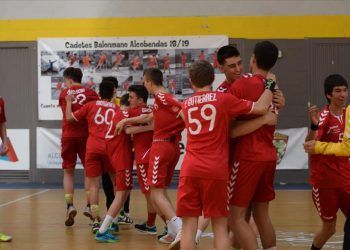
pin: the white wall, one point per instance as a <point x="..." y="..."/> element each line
<point x="16" y="9"/>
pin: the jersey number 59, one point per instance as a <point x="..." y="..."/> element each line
<point x="203" y="112"/>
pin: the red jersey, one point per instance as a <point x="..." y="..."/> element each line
<point x="142" y="141"/>
<point x="330" y="171"/>
<point x="2" y="111"/>
<point x="99" y="115"/>
<point x="224" y="87"/>
<point x="207" y="119"/>
<point x="167" y="123"/>
<point x="183" y="60"/>
<point x="82" y="95"/>
<point x="256" y="146"/>
<point x="119" y="147"/>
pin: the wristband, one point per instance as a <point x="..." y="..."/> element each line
<point x="270" y="84"/>
<point x="313" y="127"/>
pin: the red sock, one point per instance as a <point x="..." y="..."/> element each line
<point x="151" y="219"/>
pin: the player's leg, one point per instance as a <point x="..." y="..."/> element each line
<point x="69" y="157"/>
<point x="264" y="224"/>
<point x="221" y="239"/>
<point x="188" y="234"/>
<point x="108" y="189"/>
<point x="203" y="223"/>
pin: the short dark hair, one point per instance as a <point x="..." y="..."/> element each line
<point x="266" y="54"/>
<point x="332" y="81"/>
<point x="140" y="91"/>
<point x="74" y="74"/>
<point x="225" y="52"/>
<point x="124" y="100"/>
<point x="201" y="73"/>
<point x="112" y="79"/>
<point x="154" y="75"/>
<point x="106" y="90"/>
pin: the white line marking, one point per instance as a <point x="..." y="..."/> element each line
<point x="23" y="198"/>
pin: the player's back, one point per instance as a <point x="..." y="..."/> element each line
<point x="207" y="117"/>
<point x="256" y="146"/>
<point x="82" y="95"/>
<point x="99" y="115"/>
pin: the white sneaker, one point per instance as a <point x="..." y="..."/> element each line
<point x="175" y="245"/>
<point x="71" y="213"/>
<point x="87" y="213"/>
<point x="167" y="239"/>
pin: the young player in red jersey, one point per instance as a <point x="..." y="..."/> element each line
<point x="4" y="150"/>
<point x="74" y="136"/>
<point x="142" y="141"/>
<point x="254" y="158"/>
<point x="119" y="150"/>
<point x="203" y="183"/>
<point x="98" y="114"/>
<point x="329" y="175"/>
<point x="165" y="151"/>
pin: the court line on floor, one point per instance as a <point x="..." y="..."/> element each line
<point x="23" y="198"/>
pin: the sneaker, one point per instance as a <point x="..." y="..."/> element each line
<point x="106" y="237"/>
<point x="113" y="228"/>
<point x="71" y="213"/>
<point x="167" y="239"/>
<point x="124" y="219"/>
<point x="165" y="232"/>
<point x="143" y="228"/>
<point x="95" y="227"/>
<point x="5" y="238"/>
<point x="87" y="212"/>
<point x="175" y="245"/>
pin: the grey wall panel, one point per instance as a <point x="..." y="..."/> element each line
<point x="17" y="9"/>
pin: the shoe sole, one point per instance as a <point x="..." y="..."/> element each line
<point x="70" y="220"/>
<point x="146" y="232"/>
<point x="89" y="216"/>
<point x="106" y="241"/>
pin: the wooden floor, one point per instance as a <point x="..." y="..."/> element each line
<point x="35" y="219"/>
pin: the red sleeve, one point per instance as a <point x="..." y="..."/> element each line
<point x="322" y="125"/>
<point x="2" y="111"/>
<point x="82" y="113"/>
<point x="236" y="107"/>
<point x="169" y="102"/>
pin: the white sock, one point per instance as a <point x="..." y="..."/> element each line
<point x="174" y="225"/>
<point x="198" y="235"/>
<point x="115" y="219"/>
<point x="105" y="224"/>
<point x="271" y="248"/>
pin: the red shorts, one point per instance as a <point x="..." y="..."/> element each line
<point x="197" y="195"/>
<point x="123" y="179"/>
<point x="142" y="170"/>
<point x="328" y="200"/>
<point x="70" y="148"/>
<point x="97" y="164"/>
<point x="162" y="162"/>
<point x="251" y="181"/>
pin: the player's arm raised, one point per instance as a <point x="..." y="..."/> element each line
<point x="262" y="105"/>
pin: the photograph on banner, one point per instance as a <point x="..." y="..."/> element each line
<point x="123" y="58"/>
<point x="17" y="157"/>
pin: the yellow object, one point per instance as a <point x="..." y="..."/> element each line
<point x="250" y="27"/>
<point x="68" y="198"/>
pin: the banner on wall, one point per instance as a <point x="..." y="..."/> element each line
<point x="121" y="57"/>
<point x="17" y="157"/>
<point x="288" y="142"/>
